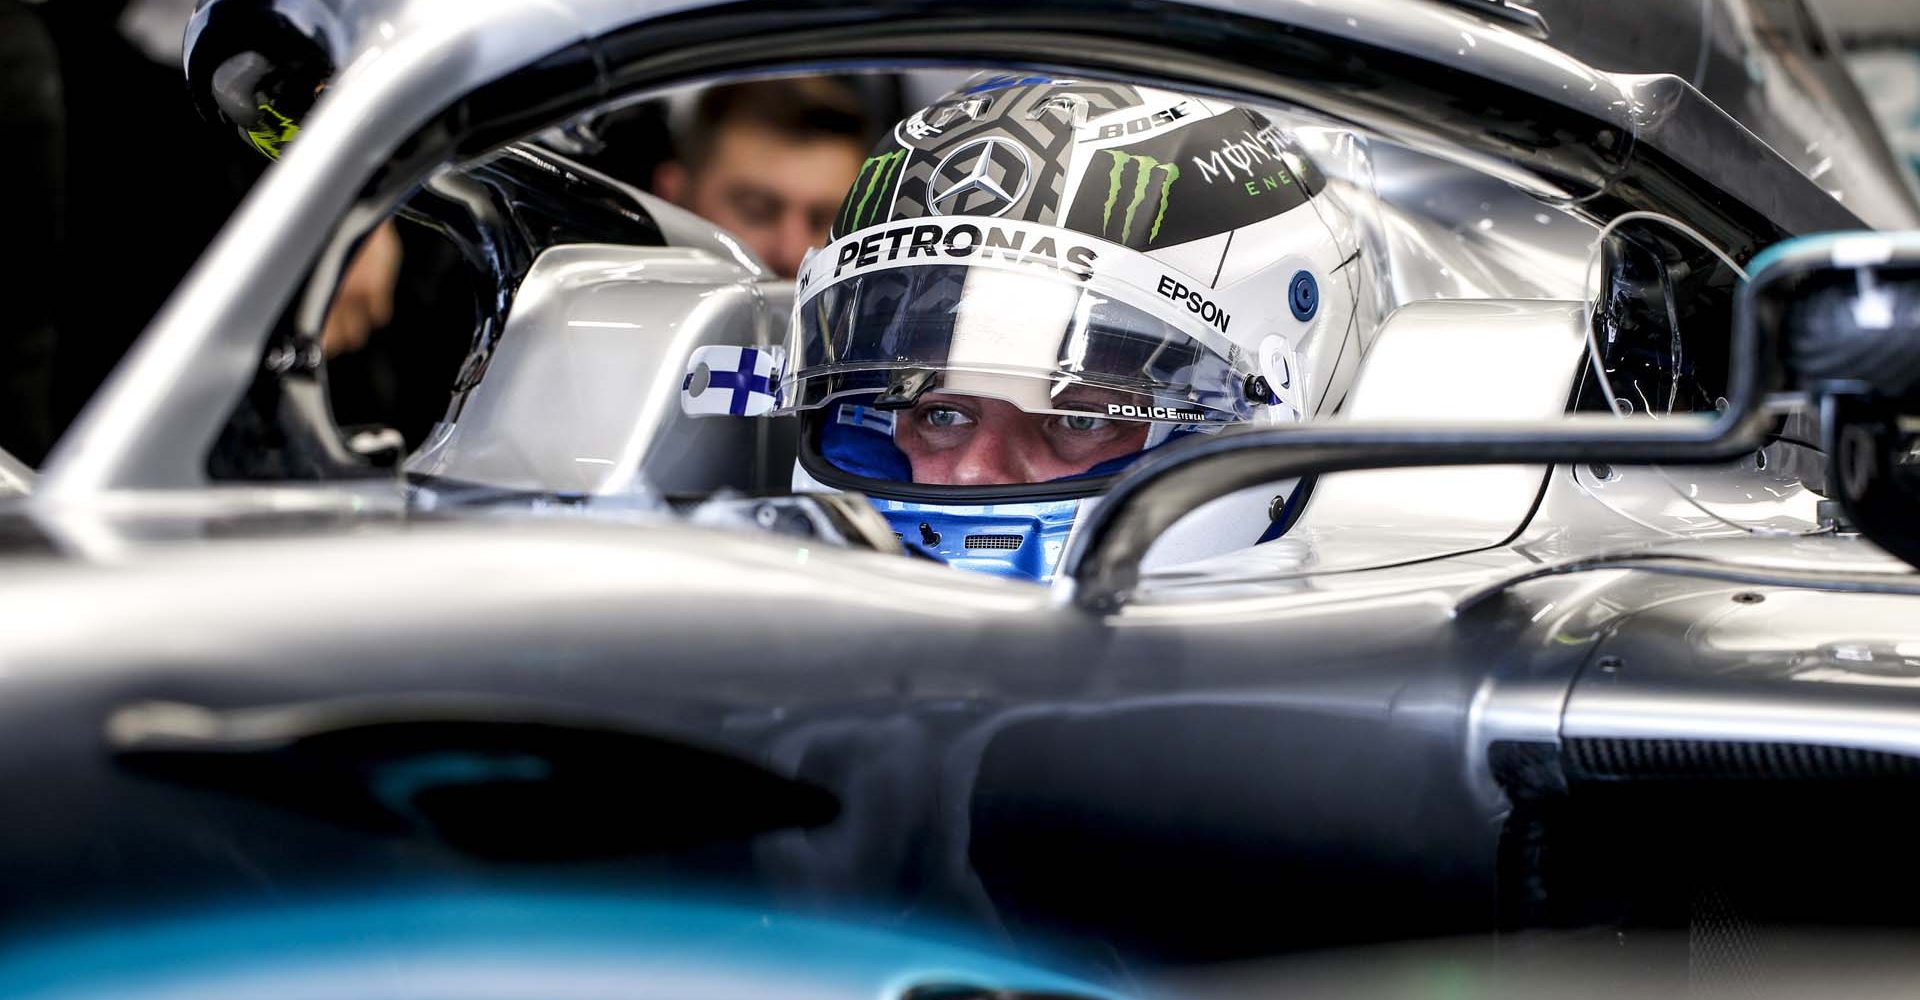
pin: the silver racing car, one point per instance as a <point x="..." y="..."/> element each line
<point x="1237" y="479"/>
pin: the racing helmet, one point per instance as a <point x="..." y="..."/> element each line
<point x="1033" y="283"/>
<point x="258" y="68"/>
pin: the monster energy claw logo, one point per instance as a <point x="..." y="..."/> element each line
<point x="869" y="188"/>
<point x="1142" y="185"/>
<point x="271" y="131"/>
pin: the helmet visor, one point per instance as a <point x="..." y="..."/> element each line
<point x="1046" y="344"/>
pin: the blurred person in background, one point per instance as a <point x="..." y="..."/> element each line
<point x="769" y="161"/>
<point x="364" y="302"/>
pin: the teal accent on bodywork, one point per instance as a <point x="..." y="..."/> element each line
<point x="1781" y="249"/>
<point x="563" y="945"/>
<point x="395" y="783"/>
<point x="1907" y="241"/>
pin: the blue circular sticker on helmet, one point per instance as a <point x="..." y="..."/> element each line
<point x="1303" y="294"/>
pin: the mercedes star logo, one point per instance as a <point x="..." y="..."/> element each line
<point x="986" y="176"/>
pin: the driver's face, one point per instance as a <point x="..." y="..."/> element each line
<point x="958" y="440"/>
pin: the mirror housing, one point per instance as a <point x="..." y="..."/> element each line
<point x="1845" y="309"/>
<point x="1102" y="563"/>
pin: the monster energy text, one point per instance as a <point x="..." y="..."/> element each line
<point x="869" y="191"/>
<point x="1146" y="168"/>
<point x="1255" y="156"/>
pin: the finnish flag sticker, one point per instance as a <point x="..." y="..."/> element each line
<point x="731" y="381"/>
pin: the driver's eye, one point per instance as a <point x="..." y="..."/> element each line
<point x="1082" y="423"/>
<point x="944" y="416"/>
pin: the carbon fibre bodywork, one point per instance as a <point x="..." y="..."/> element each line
<point x="1155" y="780"/>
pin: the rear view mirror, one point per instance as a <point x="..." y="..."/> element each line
<point x="1670" y="343"/>
<point x="1846" y="311"/>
